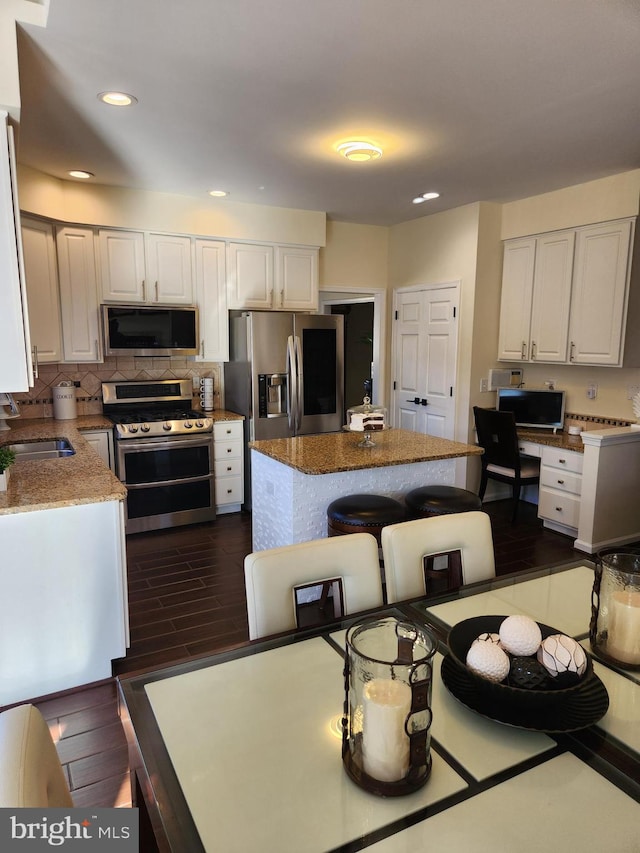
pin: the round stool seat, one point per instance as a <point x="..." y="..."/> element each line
<point x="441" y="500"/>
<point x="363" y="514"/>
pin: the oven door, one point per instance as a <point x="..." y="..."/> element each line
<point x="169" y="481"/>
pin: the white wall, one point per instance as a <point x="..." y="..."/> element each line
<point x="355" y="256"/>
<point x="29" y="12"/>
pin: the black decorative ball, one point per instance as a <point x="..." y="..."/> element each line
<point x="528" y="673"/>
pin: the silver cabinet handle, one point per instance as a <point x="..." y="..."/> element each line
<point x="34" y="359"/>
<point x="562" y="461"/>
<point x="156" y="288"/>
<point x="144" y="291"/>
<point x="572" y="355"/>
<point x="558" y="509"/>
<point x="524" y="349"/>
<point x="561" y="482"/>
<point x="533" y="349"/>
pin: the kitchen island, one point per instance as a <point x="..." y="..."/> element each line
<point x="293" y="480"/>
<point x="63" y="609"/>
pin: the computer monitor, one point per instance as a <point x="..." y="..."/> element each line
<point x="540" y="408"/>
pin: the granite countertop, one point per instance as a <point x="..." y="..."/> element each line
<point x="332" y="452"/>
<point x="50" y="483"/>
<point x="223" y="415"/>
<point x="546" y="436"/>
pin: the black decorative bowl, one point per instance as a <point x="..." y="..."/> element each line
<point x="554" y="692"/>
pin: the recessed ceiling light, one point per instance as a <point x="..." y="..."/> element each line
<point x="117" y="99"/>
<point x="80" y="173"/>
<point x="360" y="152"/>
<point x="429" y="196"/>
<point x="418" y="200"/>
<point x="218" y="193"/>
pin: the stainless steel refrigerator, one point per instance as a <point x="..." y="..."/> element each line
<point x="285" y="375"/>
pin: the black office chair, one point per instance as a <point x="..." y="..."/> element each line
<point x="501" y="459"/>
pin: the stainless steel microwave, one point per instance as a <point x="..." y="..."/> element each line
<point x="148" y="330"/>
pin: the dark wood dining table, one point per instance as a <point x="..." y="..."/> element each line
<point x="241" y="750"/>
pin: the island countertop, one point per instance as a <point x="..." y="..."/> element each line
<point x="330" y="453"/>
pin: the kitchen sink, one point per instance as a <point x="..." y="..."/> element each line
<point x="55" y="448"/>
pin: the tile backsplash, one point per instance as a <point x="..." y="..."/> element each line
<point x="38" y="402"/>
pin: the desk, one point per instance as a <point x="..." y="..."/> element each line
<point x="235" y="752"/>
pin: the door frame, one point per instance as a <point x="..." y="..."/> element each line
<point x="414" y="288"/>
<point x="342" y="295"/>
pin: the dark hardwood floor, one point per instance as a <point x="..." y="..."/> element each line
<point x="186" y="598"/>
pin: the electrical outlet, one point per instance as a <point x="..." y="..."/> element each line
<point x="484" y="385"/>
<point x="550" y="384"/>
<point x="592" y="390"/>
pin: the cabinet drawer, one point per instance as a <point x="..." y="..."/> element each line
<point x="231" y="467"/>
<point x="229" y="491"/>
<point x="568" y="460"/>
<point x="529" y="448"/>
<point x="227" y="450"/>
<point x="563" y="509"/>
<point x="228" y="431"/>
<point x="561" y="481"/>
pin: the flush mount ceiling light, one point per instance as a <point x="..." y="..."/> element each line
<point x="218" y="193"/>
<point x="80" y="173"/>
<point x="425" y="197"/>
<point x="360" y="152"/>
<point x="117" y="99"/>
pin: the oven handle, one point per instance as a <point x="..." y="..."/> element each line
<point x="174" y="482"/>
<point x="140" y="445"/>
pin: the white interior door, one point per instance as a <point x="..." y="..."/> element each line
<point x="425" y="359"/>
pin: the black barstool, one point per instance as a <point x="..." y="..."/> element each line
<point x="363" y="514"/>
<point x="428" y="501"/>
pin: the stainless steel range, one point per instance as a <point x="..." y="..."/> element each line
<point x="164" y="453"/>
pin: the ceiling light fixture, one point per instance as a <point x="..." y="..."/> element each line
<point x="425" y="197"/>
<point x="117" y="99"/>
<point x="218" y="193"/>
<point x="360" y="152"/>
<point x="80" y="173"/>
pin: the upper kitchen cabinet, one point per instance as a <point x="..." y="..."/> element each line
<point x="156" y="269"/>
<point x="536" y="293"/>
<point x="41" y="276"/>
<point x="600" y="290"/>
<point x="565" y="296"/>
<point x="283" y="278"/>
<point x="211" y="298"/>
<point x="78" y="294"/>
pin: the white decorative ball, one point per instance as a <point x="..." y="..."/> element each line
<point x="559" y="653"/>
<point x="520" y="635"/>
<point x="488" y="660"/>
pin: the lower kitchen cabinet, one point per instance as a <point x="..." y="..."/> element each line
<point x="102" y="443"/>
<point x="560" y="489"/>
<point x="229" y="466"/>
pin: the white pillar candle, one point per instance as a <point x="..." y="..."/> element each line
<point x="623" y="636"/>
<point x="385" y="744"/>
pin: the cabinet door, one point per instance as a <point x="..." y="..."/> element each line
<point x="600" y="293"/>
<point x="102" y="443"/>
<point x="211" y="296"/>
<point x="42" y="289"/>
<point x="551" y="297"/>
<point x="250" y="276"/>
<point x="296" y="279"/>
<point x="78" y="294"/>
<point x="122" y="268"/>
<point x="516" y="299"/>
<point x="169" y="277"/>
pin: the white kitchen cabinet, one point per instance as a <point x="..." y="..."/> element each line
<point x="211" y="299"/>
<point x="228" y="454"/>
<point x="151" y="268"/>
<point x="282" y="278"/>
<point x="249" y="275"/>
<point x="296" y="278"/>
<point x="102" y="442"/>
<point x="41" y="275"/>
<point x="16" y="369"/>
<point x="560" y="489"/>
<point x="536" y="293"/>
<point x="78" y="294"/>
<point x="600" y="290"/>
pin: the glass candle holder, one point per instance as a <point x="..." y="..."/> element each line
<point x="614" y="631"/>
<point x="387" y="709"/>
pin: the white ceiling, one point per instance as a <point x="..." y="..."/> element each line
<point x="492" y="100"/>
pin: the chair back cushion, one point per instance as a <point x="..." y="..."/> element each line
<point x="498" y="437"/>
<point x="271" y="575"/>
<point x="30" y="771"/>
<point x="405" y="547"/>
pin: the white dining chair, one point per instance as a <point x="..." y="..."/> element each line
<point x="31" y="775"/>
<point x="408" y="548"/>
<point x="271" y="577"/>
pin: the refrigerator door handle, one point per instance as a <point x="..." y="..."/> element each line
<point x="299" y="383"/>
<point x="292" y="383"/>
